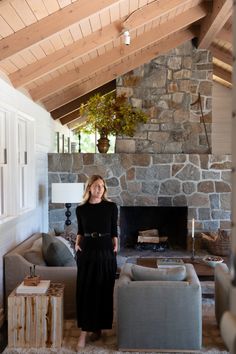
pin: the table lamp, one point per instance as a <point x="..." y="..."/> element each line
<point x="67" y="193"/>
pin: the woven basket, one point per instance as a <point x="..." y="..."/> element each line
<point x="217" y="243"/>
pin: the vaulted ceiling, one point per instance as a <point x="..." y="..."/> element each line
<point x="61" y="51"/>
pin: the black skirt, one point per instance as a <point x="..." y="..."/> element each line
<point x="95" y="283"/>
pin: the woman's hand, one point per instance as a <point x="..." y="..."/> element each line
<point x="77" y="248"/>
<point x="77" y="242"/>
<point x="115" y="244"/>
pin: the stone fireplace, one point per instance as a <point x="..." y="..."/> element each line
<point x="167" y="164"/>
<point x="202" y="183"/>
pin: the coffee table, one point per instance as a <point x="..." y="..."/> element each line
<point x="203" y="270"/>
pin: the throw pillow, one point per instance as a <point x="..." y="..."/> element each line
<point x="37" y="244"/>
<point x="67" y="244"/>
<point x="55" y="252"/>
<point x="146" y="273"/>
<point x="70" y="237"/>
<point x="34" y="254"/>
<point x="34" y="257"/>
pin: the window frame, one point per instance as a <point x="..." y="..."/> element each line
<point x="12" y="193"/>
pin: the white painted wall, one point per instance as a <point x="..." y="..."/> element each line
<point x="221" y="119"/>
<point x="17" y="230"/>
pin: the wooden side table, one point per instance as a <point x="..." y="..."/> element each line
<point x="36" y="320"/>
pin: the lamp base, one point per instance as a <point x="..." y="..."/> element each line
<point x="68" y="214"/>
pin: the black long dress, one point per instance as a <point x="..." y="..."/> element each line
<point x="96" y="265"/>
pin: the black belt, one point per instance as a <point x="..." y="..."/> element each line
<point x="96" y="235"/>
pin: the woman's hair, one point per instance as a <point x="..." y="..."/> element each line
<point x="88" y="184"/>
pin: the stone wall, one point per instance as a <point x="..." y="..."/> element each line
<point x="165" y="89"/>
<point x="201" y="182"/>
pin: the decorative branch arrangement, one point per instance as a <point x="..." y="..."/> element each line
<point x="111" y="114"/>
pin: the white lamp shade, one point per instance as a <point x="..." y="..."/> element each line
<point x="67" y="192"/>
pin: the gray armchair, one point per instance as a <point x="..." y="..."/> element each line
<point x="222" y="290"/>
<point x="163" y="314"/>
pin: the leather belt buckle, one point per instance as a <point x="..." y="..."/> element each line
<point x="94" y="234"/>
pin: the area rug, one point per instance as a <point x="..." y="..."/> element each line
<point x="212" y="341"/>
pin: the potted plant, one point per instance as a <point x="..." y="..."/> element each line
<point x="111" y="115"/>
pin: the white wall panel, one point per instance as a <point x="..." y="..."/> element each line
<point x="17" y="229"/>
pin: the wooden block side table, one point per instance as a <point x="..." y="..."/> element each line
<point x="36" y="320"/>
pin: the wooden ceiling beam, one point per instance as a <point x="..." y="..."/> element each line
<point x="77" y="123"/>
<point x="122" y="68"/>
<point x="50" y="25"/>
<point x="218" y="53"/>
<point x="151" y="11"/>
<point x="222" y="73"/>
<point x="70" y="117"/>
<point x="65" y="55"/>
<point x="95" y="40"/>
<point x="73" y="105"/>
<point x="225" y="35"/>
<point x="214" y="22"/>
<point x="118" y="53"/>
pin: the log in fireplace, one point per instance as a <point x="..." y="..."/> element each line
<point x="170" y="221"/>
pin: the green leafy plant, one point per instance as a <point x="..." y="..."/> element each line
<point x="111" y="115"/>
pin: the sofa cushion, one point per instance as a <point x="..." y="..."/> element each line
<point x="170" y="273"/>
<point x="34" y="257"/>
<point x="55" y="252"/>
<point x="34" y="254"/>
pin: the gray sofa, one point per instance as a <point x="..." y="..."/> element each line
<point x="159" y="314"/>
<point x="16" y="267"/>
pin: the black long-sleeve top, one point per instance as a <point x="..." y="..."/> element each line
<point x="100" y="217"/>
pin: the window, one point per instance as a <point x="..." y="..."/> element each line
<point x="17" y="177"/>
<point x="3" y="162"/>
<point x="25" y="166"/>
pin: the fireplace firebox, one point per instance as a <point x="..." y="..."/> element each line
<point x="170" y="221"/>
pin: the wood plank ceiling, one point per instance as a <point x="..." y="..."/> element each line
<point x="61" y="51"/>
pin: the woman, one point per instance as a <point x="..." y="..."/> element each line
<point x="96" y="247"/>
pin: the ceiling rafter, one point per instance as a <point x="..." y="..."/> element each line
<point x="93" y="41"/>
<point x="214" y="22"/>
<point x="225" y="35"/>
<point x="50" y="25"/>
<point x="74" y="50"/>
<point x="221" y="55"/>
<point x="77" y="123"/>
<point x="72" y="106"/>
<point x="119" y="53"/>
<point x="222" y="73"/>
<point x="65" y="55"/>
<point x="125" y="66"/>
<point x="155" y="9"/>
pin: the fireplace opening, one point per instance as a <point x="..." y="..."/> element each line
<point x="170" y="222"/>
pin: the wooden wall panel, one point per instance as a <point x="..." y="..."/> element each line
<point x="221" y="119"/>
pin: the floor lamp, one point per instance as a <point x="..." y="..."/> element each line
<point x="67" y="193"/>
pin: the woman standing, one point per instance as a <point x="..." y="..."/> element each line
<point x="96" y="247"/>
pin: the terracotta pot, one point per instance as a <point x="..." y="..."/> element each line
<point x="103" y="143"/>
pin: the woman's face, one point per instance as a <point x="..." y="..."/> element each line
<point x="97" y="189"/>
